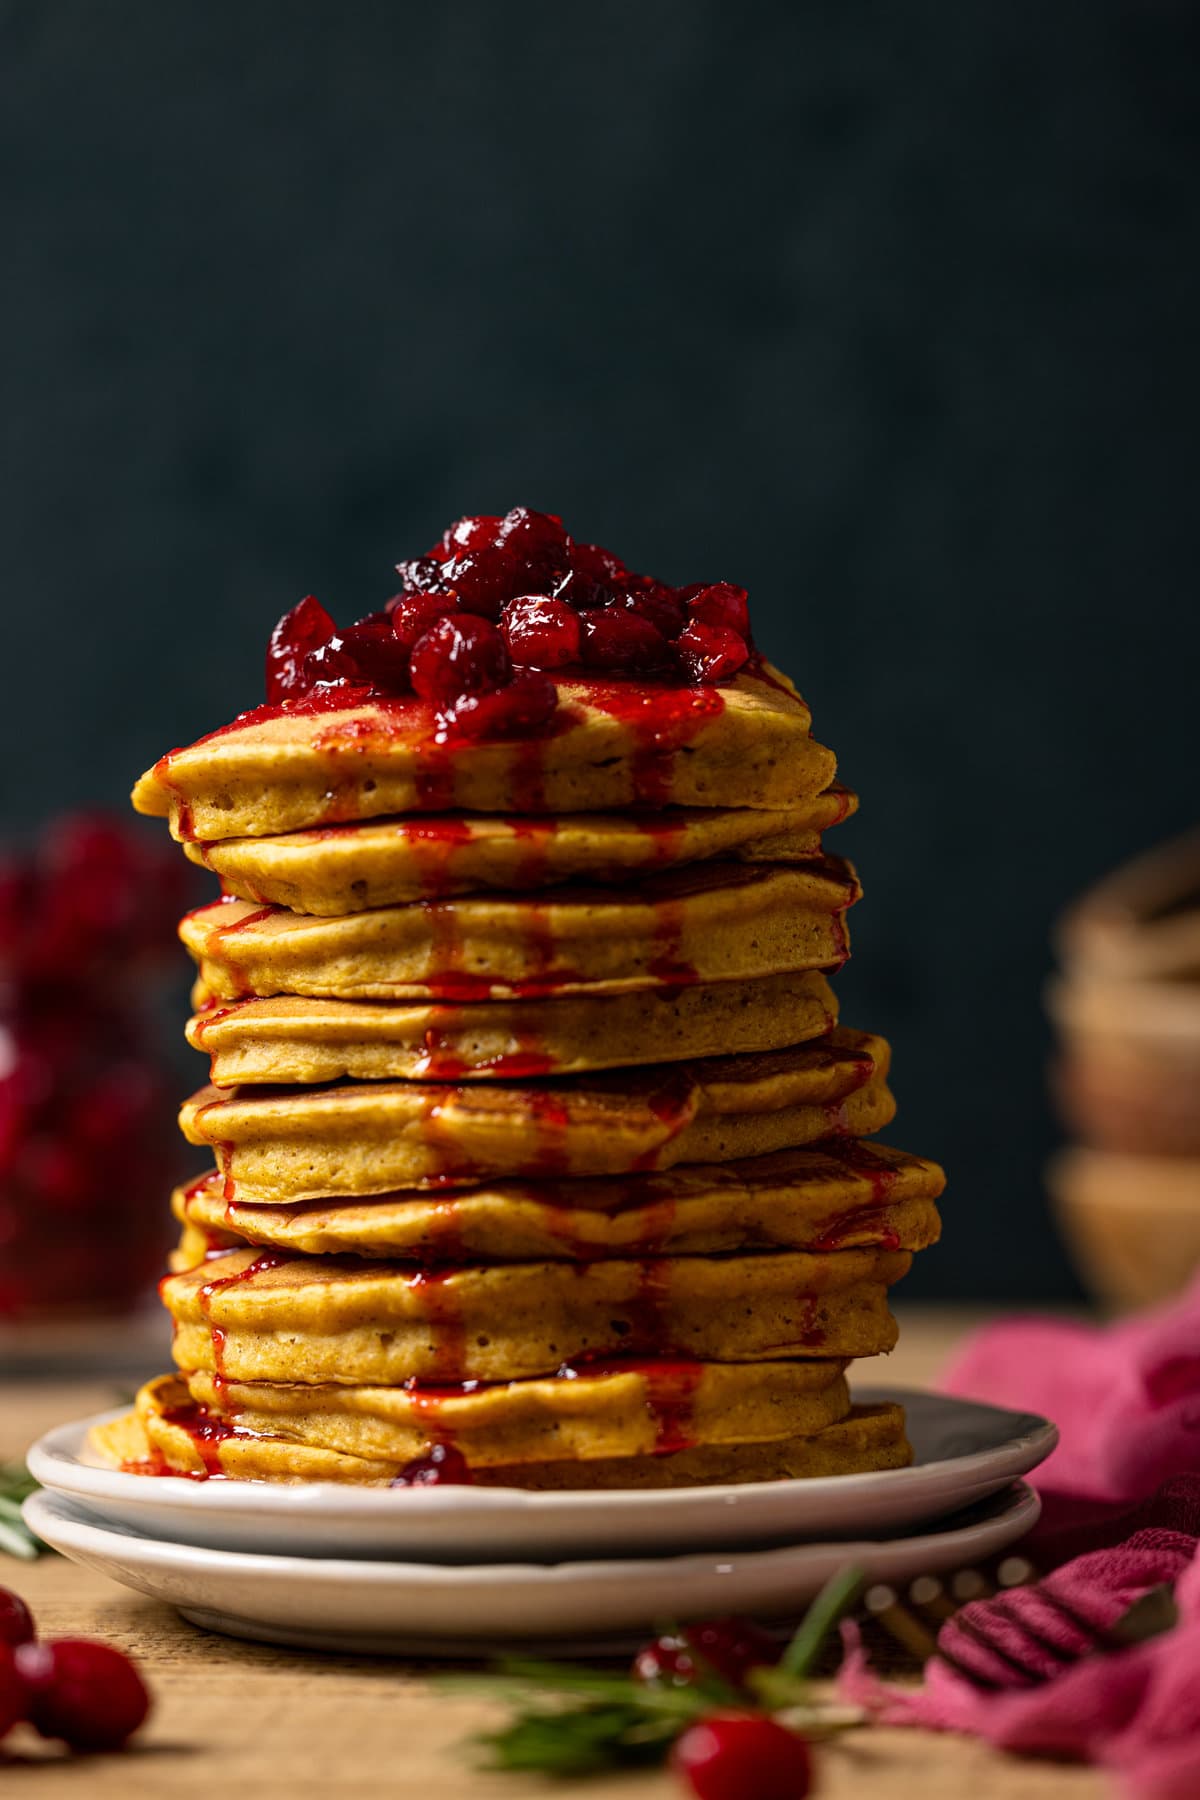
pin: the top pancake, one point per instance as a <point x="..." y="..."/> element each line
<point x="611" y="745"/>
<point x="350" y="868"/>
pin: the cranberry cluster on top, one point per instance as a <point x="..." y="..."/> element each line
<point x="496" y="604"/>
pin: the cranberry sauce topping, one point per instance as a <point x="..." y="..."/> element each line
<point x="493" y="605"/>
<point x="442" y="1466"/>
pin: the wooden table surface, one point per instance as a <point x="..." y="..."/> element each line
<point x="263" y="1724"/>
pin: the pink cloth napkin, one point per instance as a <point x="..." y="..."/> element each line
<point x="1122" y="1503"/>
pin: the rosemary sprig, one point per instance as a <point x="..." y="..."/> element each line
<point x="575" y="1721"/>
<point x="16" y="1539"/>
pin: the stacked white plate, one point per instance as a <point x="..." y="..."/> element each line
<point x="462" y="1571"/>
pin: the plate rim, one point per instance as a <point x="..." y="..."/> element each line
<point x="63" y="1471"/>
<point x="162" y="1552"/>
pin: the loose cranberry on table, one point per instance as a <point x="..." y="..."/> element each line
<point x="14" y="1695"/>
<point x="88" y="1695"/>
<point x="728" y="1648"/>
<point x="742" y="1756"/>
<point x="16" y="1620"/>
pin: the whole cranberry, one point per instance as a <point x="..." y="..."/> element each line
<point x="87" y="1694"/>
<point x="16" y="1620"/>
<point x="599" y="565"/>
<point x="710" y="652"/>
<point x="541" y="633"/>
<point x="413" y="614"/>
<point x="378" y="653"/>
<point x="482" y="580"/>
<point x="729" y="1648"/>
<point x="527" y="703"/>
<point x="14" y="1693"/>
<point x="293" y="640"/>
<point x="422" y="575"/>
<point x="742" y="1756"/>
<point x="614" y="639"/>
<point x="721" y="603"/>
<point x="656" y="604"/>
<point x="458" y="656"/>
<point x="537" y="543"/>
<point x="470" y="533"/>
<point x="443" y="1465"/>
<point x="331" y="662"/>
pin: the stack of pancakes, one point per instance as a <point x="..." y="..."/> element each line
<point x="539" y="1149"/>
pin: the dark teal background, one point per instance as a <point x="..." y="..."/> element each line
<point x="889" y="312"/>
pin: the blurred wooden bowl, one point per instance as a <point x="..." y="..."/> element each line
<point x="1127" y="1077"/>
<point x="1133" y="1222"/>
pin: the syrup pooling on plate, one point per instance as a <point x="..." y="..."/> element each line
<point x="472" y="1190"/>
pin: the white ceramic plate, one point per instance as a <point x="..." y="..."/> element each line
<point x="964" y="1452"/>
<point x="435" y="1609"/>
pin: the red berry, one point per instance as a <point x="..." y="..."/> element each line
<point x="14" y="1693"/>
<point x="541" y="633"/>
<point x="527" y="703"/>
<point x="421" y="575"/>
<point x="16" y="1620"/>
<point x="720" y="604"/>
<point x="599" y="565"/>
<point x="470" y="533"/>
<point x="89" y="1695"/>
<point x="728" y="1648"/>
<point x="441" y="1466"/>
<point x="296" y="636"/>
<point x="456" y="657"/>
<point x="378" y="654"/>
<point x="538" y="544"/>
<point x="742" y="1756"/>
<point x="613" y="639"/>
<point x="482" y="580"/>
<point x="710" y="652"/>
<point x="655" y="603"/>
<point x="413" y="614"/>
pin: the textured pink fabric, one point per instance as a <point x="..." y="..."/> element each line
<point x="1122" y="1515"/>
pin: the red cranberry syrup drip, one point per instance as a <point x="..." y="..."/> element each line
<point x="670" y="1394"/>
<point x="268" y="1259"/>
<point x="207" y="1434"/>
<point x="660" y="720"/>
<point x="217" y="945"/>
<point x="667" y="963"/>
<point x="860" y="1159"/>
<point x="444" y="1310"/>
<point x="671" y="1103"/>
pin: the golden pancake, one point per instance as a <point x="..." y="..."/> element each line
<point x="348" y="868"/>
<point x="872" y="1437"/>
<point x="612" y="1409"/>
<point x="614" y="743"/>
<point x="838" y="1196"/>
<point x="304" y="1041"/>
<point x="281" y="1145"/>
<point x="168" y="1433"/>
<point x="715" y="922"/>
<point x="260" y="1316"/>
